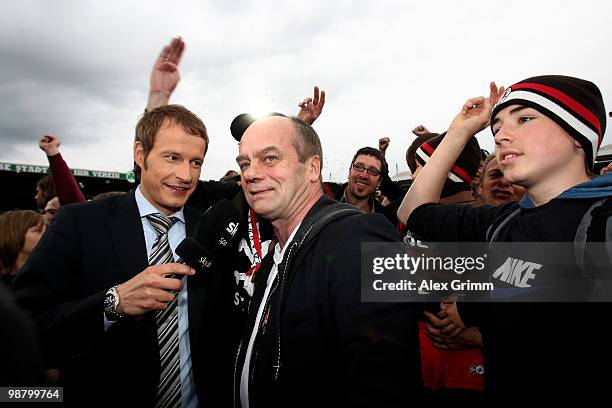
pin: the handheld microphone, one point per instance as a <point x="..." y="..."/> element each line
<point x="214" y="232"/>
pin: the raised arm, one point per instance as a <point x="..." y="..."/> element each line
<point x="388" y="187"/>
<point x="311" y="108"/>
<point x="165" y="75"/>
<point x="66" y="186"/>
<point x="420" y="130"/>
<point x="427" y="187"/>
<point x="383" y="145"/>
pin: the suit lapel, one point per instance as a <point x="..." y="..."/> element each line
<point x="192" y="216"/>
<point x="127" y="236"/>
<point x="195" y="287"/>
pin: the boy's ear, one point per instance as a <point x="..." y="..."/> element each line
<point x="577" y="144"/>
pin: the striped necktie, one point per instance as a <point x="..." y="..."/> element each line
<point x="169" y="387"/>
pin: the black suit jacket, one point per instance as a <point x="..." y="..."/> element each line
<point x="89" y="248"/>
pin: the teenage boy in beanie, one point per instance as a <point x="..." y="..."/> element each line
<point x="547" y="131"/>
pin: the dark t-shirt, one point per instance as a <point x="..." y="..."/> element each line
<point x="551" y="350"/>
<point x="555" y="221"/>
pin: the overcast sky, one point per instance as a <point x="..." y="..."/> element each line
<point x="80" y="69"/>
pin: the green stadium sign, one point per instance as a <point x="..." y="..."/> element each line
<point x="34" y="169"/>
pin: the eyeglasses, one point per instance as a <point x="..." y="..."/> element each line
<point x="372" y="171"/>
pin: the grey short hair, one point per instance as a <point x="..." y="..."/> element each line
<point x="306" y="142"/>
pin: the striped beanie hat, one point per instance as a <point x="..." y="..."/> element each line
<point x="465" y="167"/>
<point x="574" y="104"/>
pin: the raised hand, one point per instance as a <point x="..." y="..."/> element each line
<point x="475" y="114"/>
<point x="495" y="93"/>
<point x="49" y="144"/>
<point x="311" y="108"/>
<point x="165" y="75"/>
<point x="420" y="130"/>
<point x="383" y="144"/>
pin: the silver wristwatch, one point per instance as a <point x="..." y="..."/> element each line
<point x="111" y="301"/>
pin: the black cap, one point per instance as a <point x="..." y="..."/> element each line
<point x="244" y="120"/>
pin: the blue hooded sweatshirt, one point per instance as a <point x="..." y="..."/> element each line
<point x="599" y="187"/>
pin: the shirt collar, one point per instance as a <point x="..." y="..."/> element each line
<point x="145" y="207"/>
<point x="280" y="254"/>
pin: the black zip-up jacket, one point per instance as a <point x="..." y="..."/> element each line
<point x="322" y="346"/>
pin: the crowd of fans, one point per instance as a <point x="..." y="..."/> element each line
<point x="455" y="187"/>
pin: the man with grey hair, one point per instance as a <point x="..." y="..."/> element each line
<point x="307" y="327"/>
